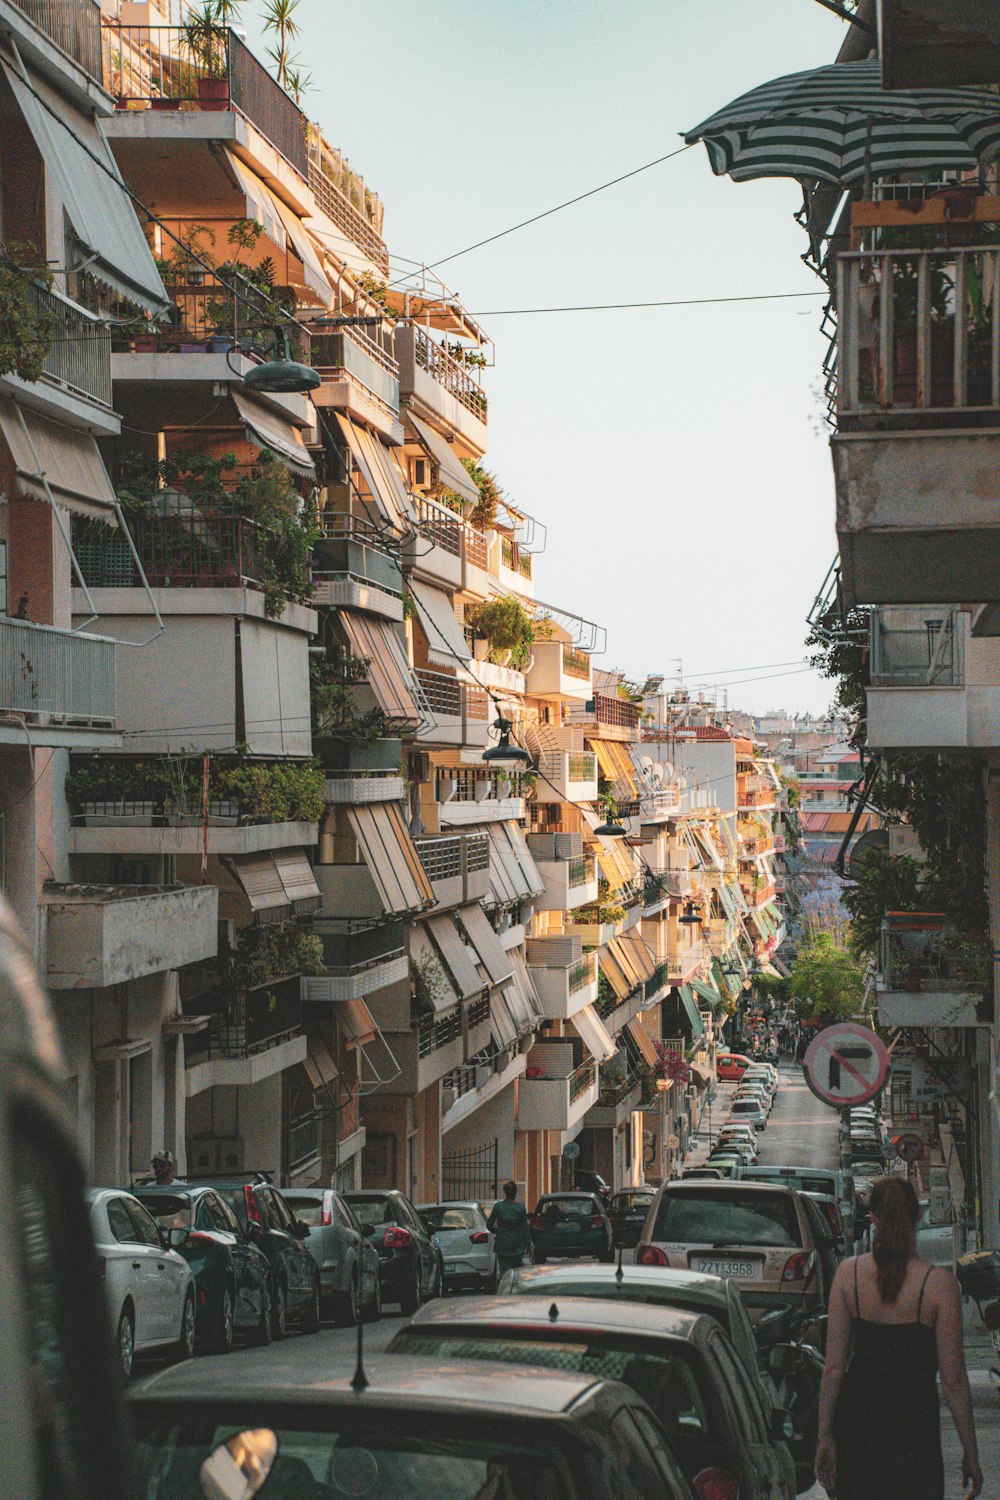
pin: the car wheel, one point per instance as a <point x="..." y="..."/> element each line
<point x="309" y="1322"/>
<point x="125" y="1343"/>
<point x="349" y="1305"/>
<point x="221" y="1340"/>
<point x="260" y="1334"/>
<point x="184" y="1347"/>
<point x="373" y="1309"/>
<point x="279" y="1311"/>
<point x="413" y="1296"/>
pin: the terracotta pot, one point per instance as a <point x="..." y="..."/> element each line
<point x="213" y="93"/>
<point x="164" y="104"/>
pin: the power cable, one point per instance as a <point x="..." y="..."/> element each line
<point x="511" y="312"/>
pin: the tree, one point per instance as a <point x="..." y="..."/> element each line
<point x="882" y="884"/>
<point x="827" y="981"/>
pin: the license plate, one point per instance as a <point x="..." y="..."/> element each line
<point x="716" y="1267"/>
<point x="567" y="1229"/>
<point x="450" y="1267"/>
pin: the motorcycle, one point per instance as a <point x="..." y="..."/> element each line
<point x="795" y="1368"/>
<point x="979" y="1277"/>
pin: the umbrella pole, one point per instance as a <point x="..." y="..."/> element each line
<point x="868" y="162"/>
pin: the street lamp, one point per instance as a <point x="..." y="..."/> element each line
<point x="503" y="753"/>
<point x="690" y="916"/>
<point x="282" y="373"/>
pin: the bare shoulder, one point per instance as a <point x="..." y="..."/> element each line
<point x="939" y="1283"/>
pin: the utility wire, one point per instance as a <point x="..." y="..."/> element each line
<point x="507" y="312"/>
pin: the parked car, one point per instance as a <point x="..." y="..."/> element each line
<point x="150" y="1288"/>
<point x="758" y="1092"/>
<point x="710" y="1172"/>
<point x="269" y="1223"/>
<point x="457" y="1429"/>
<point x="349" y="1283"/>
<point x="740" y="1130"/>
<point x="841" y="1232"/>
<point x="460" y="1233"/>
<point x="829" y="1180"/>
<point x="749" y="1110"/>
<point x="730" y="1066"/>
<point x="231" y="1275"/>
<point x="683" y="1364"/>
<point x="865" y="1145"/>
<point x="736" y="1146"/>
<point x="721" y="1162"/>
<point x="627" y="1212"/>
<point x="759" y="1234"/>
<point x="571" y="1224"/>
<point x="411" y="1266"/>
<point x="586" y="1181"/>
<point x="763" y="1070"/>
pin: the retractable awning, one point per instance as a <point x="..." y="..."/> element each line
<point x="446" y="643"/>
<point x="595" y="1035"/>
<point x="494" y="957"/>
<point x="503" y="1023"/>
<point x="706" y="844"/>
<point x="267" y="429"/>
<point x="459" y="958"/>
<point x="626" y="963"/>
<point x="452" y="470"/>
<point x="643" y="1042"/>
<point x="701" y="1076"/>
<point x="261" y="206"/>
<point x="638" y="952"/>
<point x="707" y="992"/>
<point x="263" y="886"/>
<point x="690" y="1008"/>
<point x="514" y="875"/>
<point x="619" y="979"/>
<point x="389" y="675"/>
<point x="295" y="874"/>
<point x="321" y="1069"/>
<point x="438" y="987"/>
<point x="69" y="459"/>
<point x="391" y="856"/>
<point x="90" y="185"/>
<point x="616" y="767"/>
<point x="357" y="1021"/>
<point x="381" y="474"/>
<point x="316" y="280"/>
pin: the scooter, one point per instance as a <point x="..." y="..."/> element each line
<point x="979" y="1277"/>
<point x="795" y="1369"/>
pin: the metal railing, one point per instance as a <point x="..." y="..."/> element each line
<point x="251" y="1021"/>
<point x="576" y="663"/>
<point x="74" y="25"/>
<point x="180" y="547"/>
<point x="918" y="646"/>
<point x="351" y="352"/>
<point x="926" y="954"/>
<point x="617" y="711"/>
<point x="581" y="973"/>
<point x="439" y="525"/>
<point x="581" y="1079"/>
<point x="352" y="548"/>
<point x="464" y="784"/>
<point x="437" y="1031"/>
<point x="450" y="856"/>
<point x="514" y="559"/>
<point x="919" y="330"/>
<point x="449" y="372"/>
<point x="580" y="872"/>
<point x="454" y="699"/>
<point x="79" y="352"/>
<point x="207" y="68"/>
<point x="581" y="767"/>
<point x="476" y="551"/>
<point x="613" y="1091"/>
<point x="209" y="310"/>
<point x="303" y="1139"/>
<point x="658" y="980"/>
<point x="343" y="213"/>
<point x="56" y="673"/>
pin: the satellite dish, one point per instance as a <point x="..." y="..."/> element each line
<point x="646" y="761"/>
<point x="682" y="783"/>
<point x="656" y="772"/>
<point x="668" y="770"/>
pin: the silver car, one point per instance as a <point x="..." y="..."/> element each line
<point x="459" y="1230"/>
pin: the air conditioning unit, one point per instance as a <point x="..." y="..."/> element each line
<point x="214" y="1154"/>
<point x="421" y="474"/>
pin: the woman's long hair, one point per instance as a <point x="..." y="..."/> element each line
<point x="895" y="1205"/>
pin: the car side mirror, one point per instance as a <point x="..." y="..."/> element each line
<point x="175" y="1238"/>
<point x="239" y="1468"/>
<point x="782" y="1425"/>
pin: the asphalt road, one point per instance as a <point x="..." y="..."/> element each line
<point x="801" y="1131"/>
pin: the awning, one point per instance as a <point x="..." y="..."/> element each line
<point x="389" y="675"/>
<point x="321" y="1069"/>
<point x="638" y="952"/>
<point x="495" y="959"/>
<point x="514" y="876"/>
<point x="266" y="429"/>
<point x="460" y="960"/>
<point x="706" y="844"/>
<point x="690" y="1008"/>
<point x="381" y="474"/>
<point x="69" y="459"/>
<point x="595" y="1035"/>
<point x="616" y="767"/>
<point x="357" y="1021"/>
<point x="503" y="1023"/>
<point x="316" y="279"/>
<point x="446" y="643"/>
<point x="93" y="194"/>
<point x="707" y="992"/>
<point x="261" y="204"/>
<point x="626" y="963"/>
<point x="295" y="874"/>
<point x="437" y="985"/>
<point x="643" y="1041"/>
<point x="532" y="1005"/>
<point x="452" y="470"/>
<point x="258" y="875"/>
<point x="701" y="1076"/>
<point x="619" y="979"/>
<point x="391" y="856"/>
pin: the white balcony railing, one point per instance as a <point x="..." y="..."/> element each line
<point x="56" y="674"/>
<point x="917" y="646"/>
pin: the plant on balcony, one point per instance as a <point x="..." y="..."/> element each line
<point x="275" y="793"/>
<point x="506" y="625"/>
<point x="483" y="515"/>
<point x="205" y="37"/>
<point x="334" y="714"/>
<point x="279" y="18"/>
<point x="376" y="289"/>
<point x="26" y="324"/>
<point x="264" y="954"/>
<point x="268" y="497"/>
<point x="473" y="359"/>
<point x="430" y="985"/>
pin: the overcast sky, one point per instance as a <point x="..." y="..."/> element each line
<point x="677" y="455"/>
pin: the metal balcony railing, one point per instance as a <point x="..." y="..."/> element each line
<point x="349" y="351"/>
<point x="514" y="559"/>
<point x="581" y="767"/>
<point x="252" y="1021"/>
<point x="74" y="25"/>
<point x="454" y="855"/>
<point x="617" y="711"/>
<point x="476" y="551"/>
<point x="918" y="331"/>
<point x="437" y="1031"/>
<point x="341" y="211"/>
<point x="919" y="951"/>
<point x="53" y="674"/>
<point x="463" y="784"/>
<point x="180" y="547"/>
<point x="580" y="872"/>
<point x="581" y="973"/>
<point x="303" y="1140"/>
<point x="450" y="373"/>
<point x="453" y="699"/>
<point x="79" y="354"/>
<point x="581" y="1079"/>
<point x="210" y="310"/>
<point x="439" y="525"/>
<point x="921" y="646"/>
<point x="575" y="663"/>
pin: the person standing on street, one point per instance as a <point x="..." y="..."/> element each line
<point x="164" y="1168"/>
<point x="509" y="1223"/>
<point x="903" y="1317"/>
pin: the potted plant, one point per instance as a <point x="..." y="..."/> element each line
<point x="206" y="37"/>
<point x="145" y="343"/>
<point x="506" y="625"/>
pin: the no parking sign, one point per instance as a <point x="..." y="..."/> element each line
<point x="846" y="1065"/>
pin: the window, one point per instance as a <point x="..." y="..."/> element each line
<point x="347" y="1211"/>
<point x="374" y="1211"/>
<point x="222" y="1218"/>
<point x="634" y="1454"/>
<point x="278" y="1209"/>
<point x="568" y="1208"/>
<point x="732" y="1219"/>
<point x="451" y="1218"/>
<point x="735" y="1386"/>
<point x="146" y="1232"/>
<point x="308" y="1210"/>
<point x="120" y="1222"/>
<point x="170" y="1211"/>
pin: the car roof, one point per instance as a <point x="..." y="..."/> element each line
<point x="352" y="1193"/>
<point x="694" y="1284"/>
<point x="172" y="1189"/>
<point x="577" y="1312"/>
<point x="792" y="1171"/>
<point x="449" y="1203"/>
<point x="735" y="1188"/>
<point x="101" y="1195"/>
<point x="312" y="1194"/>
<point x="556" y="1194"/>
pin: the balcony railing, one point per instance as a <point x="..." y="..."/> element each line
<point x="206" y="68"/>
<point x="453" y="699"/>
<point x="581" y="1079"/>
<point x="352" y="548"/>
<point x="582" y="973"/>
<point x="436" y="1032"/>
<point x="514" y="559"/>
<point x="917" y="647"/>
<point x="350" y="351"/>
<point x="450" y="373"/>
<point x="79" y="353"/>
<point x="210" y="310"/>
<point x="450" y="857"/>
<point x="575" y="663"/>
<point x="253" y="1021"/>
<point x="303" y="1140"/>
<point x="463" y="784"/>
<point x="439" y="525"/>
<point x="580" y="872"/>
<point x="658" y="980"/>
<point x="919" y="951"/>
<point x="74" y="25"/>
<point x="341" y="211"/>
<point x="581" y="767"/>
<point x="56" y="674"/>
<point x="180" y="547"/>
<point x="616" y="711"/>
<point x="918" y="331"/>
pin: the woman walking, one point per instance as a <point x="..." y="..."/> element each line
<point x="895" y="1320"/>
<point x="509" y="1222"/>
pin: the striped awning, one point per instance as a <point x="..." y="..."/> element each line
<point x="835" y="123"/>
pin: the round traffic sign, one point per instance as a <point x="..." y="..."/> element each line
<point x="571" y="1150"/>
<point x="846" y="1064"/>
<point x="908" y="1146"/>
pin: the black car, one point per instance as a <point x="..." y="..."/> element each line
<point x="627" y="1212"/>
<point x="586" y="1181"/>
<point x="266" y="1219"/>
<point x="231" y="1275"/>
<point x="411" y="1267"/>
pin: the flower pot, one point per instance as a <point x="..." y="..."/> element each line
<point x="480" y="649"/>
<point x="221" y="343"/>
<point x="196" y="346"/>
<point x="164" y="104"/>
<point x="502" y="657"/>
<point x="146" y="343"/>
<point x="213" y="93"/>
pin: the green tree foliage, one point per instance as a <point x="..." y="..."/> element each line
<point x="883" y="884"/>
<point x="827" y="981"/>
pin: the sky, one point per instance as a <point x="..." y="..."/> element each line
<point x="678" y="455"/>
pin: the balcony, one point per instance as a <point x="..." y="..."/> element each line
<point x="74" y="26"/>
<point x="461" y="711"/>
<point x="929" y="973"/>
<point x="567" y="775"/>
<point x="468" y="794"/>
<point x="565" y="977"/>
<point x="359" y="378"/>
<point x="553" y="1099"/>
<point x="616" y="1100"/>
<point x="437" y="1044"/>
<point x="442" y="387"/>
<point x="105" y="935"/>
<point x="934" y="686"/>
<point x="60" y="683"/>
<point x="179" y="548"/>
<point x="253" y="1035"/>
<point x="437" y="548"/>
<point x="514" y="567"/>
<point x="558" y="670"/>
<point x="75" y="385"/>
<point x="915" y="454"/>
<point x="353" y="567"/>
<point x="457" y="865"/>
<point x="569" y="883"/>
<point x="339" y="209"/>
<point x="359" y="961"/>
<point x="614" y="718"/>
<point x="205" y="69"/>
<point x="359" y="771"/>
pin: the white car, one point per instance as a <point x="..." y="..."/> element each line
<point x="759" y="1075"/>
<point x="458" y="1228"/>
<point x="150" y="1289"/>
<point x="748" y="1110"/>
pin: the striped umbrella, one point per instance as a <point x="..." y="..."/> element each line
<point x="837" y="123"/>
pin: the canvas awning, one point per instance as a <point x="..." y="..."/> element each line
<point x="446" y="643"/>
<point x="616" y="767"/>
<point x="643" y="1042"/>
<point x="704" y="841"/>
<point x="261" y="205"/>
<point x="494" y="957"/>
<point x="707" y="992"/>
<point x="459" y="959"/>
<point x="316" y="280"/>
<point x="595" y="1035"/>
<point x="295" y="874"/>
<point x="93" y="194"/>
<point x="69" y="459"/>
<point x="514" y="876"/>
<point x="263" y="886"/>
<point x="380" y="472"/>
<point x="626" y="963"/>
<point x="452" y="470"/>
<point x="391" y="856"/>
<point x="690" y="1008"/>
<point x="438" y="986"/>
<point x="503" y="1023"/>
<point x="619" y="979"/>
<point x="357" y="1021"/>
<point x="701" y="1076"/>
<point x="526" y="987"/>
<point x="321" y="1069"/>
<point x="389" y="675"/>
<point x="267" y="429"/>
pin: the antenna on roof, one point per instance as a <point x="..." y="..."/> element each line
<point x="553" y="1314"/>
<point x="619" y="1274"/>
<point x="359" y="1380"/>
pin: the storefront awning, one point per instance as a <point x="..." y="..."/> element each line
<point x="494" y="957"/>
<point x="643" y="1041"/>
<point x="459" y="958"/>
<point x="69" y="459"/>
<point x="89" y="183"/>
<point x="446" y="643"/>
<point x="389" y="675"/>
<point x="267" y="429"/>
<point x="451" y="469"/>
<point x="595" y="1035"/>
<point x="391" y="856"/>
<point x="381" y="474"/>
<point x="295" y="874"/>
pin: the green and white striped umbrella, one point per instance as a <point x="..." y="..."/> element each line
<point x="834" y="123"/>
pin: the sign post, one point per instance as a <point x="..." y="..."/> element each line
<point x="846" y="1065"/>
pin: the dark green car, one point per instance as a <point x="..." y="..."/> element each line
<point x="231" y="1276"/>
<point x="571" y="1224"/>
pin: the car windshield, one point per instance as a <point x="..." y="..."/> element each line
<point x="622" y="1203"/>
<point x="746" y="1107"/>
<point x="381" y="1464"/>
<point x="309" y="1210"/>
<point x="707" y="1217"/>
<point x="447" y="1216"/>
<point x="370" y="1211"/>
<point x="665" y="1377"/>
<point x="566" y="1208"/>
<point x="169" y="1212"/>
